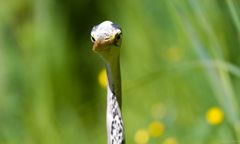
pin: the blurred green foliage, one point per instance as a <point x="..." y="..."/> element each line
<point x="178" y="60"/>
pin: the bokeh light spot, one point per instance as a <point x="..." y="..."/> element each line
<point x="170" y="140"/>
<point x="141" y="136"/>
<point x="158" y="111"/>
<point x="156" y="129"/>
<point x="214" y="116"/>
<point x="174" y="54"/>
<point x="102" y="78"/>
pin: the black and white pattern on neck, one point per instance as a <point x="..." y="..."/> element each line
<point x="116" y="124"/>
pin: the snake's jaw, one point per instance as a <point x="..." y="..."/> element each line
<point x="101" y="45"/>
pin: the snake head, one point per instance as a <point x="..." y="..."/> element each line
<point x="105" y="37"/>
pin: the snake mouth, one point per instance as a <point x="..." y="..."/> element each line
<point x="102" y="45"/>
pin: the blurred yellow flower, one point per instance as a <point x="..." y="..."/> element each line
<point x="156" y="129"/>
<point x="141" y="136"/>
<point x="170" y="140"/>
<point x="174" y="54"/>
<point x="102" y="78"/>
<point x="214" y="116"/>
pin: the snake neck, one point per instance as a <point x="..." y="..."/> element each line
<point x="115" y="128"/>
<point x="114" y="79"/>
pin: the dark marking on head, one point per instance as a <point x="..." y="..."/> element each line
<point x="116" y="26"/>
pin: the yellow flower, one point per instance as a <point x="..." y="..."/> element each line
<point x="170" y="140"/>
<point x="102" y="78"/>
<point x="214" y="116"/>
<point x="141" y="136"/>
<point x="156" y="129"/>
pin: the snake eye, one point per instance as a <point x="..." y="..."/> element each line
<point x="93" y="39"/>
<point x="118" y="36"/>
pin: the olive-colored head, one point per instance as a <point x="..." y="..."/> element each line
<point x="106" y="38"/>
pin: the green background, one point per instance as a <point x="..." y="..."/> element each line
<point x="178" y="59"/>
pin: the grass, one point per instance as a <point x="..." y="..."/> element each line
<point x="179" y="60"/>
